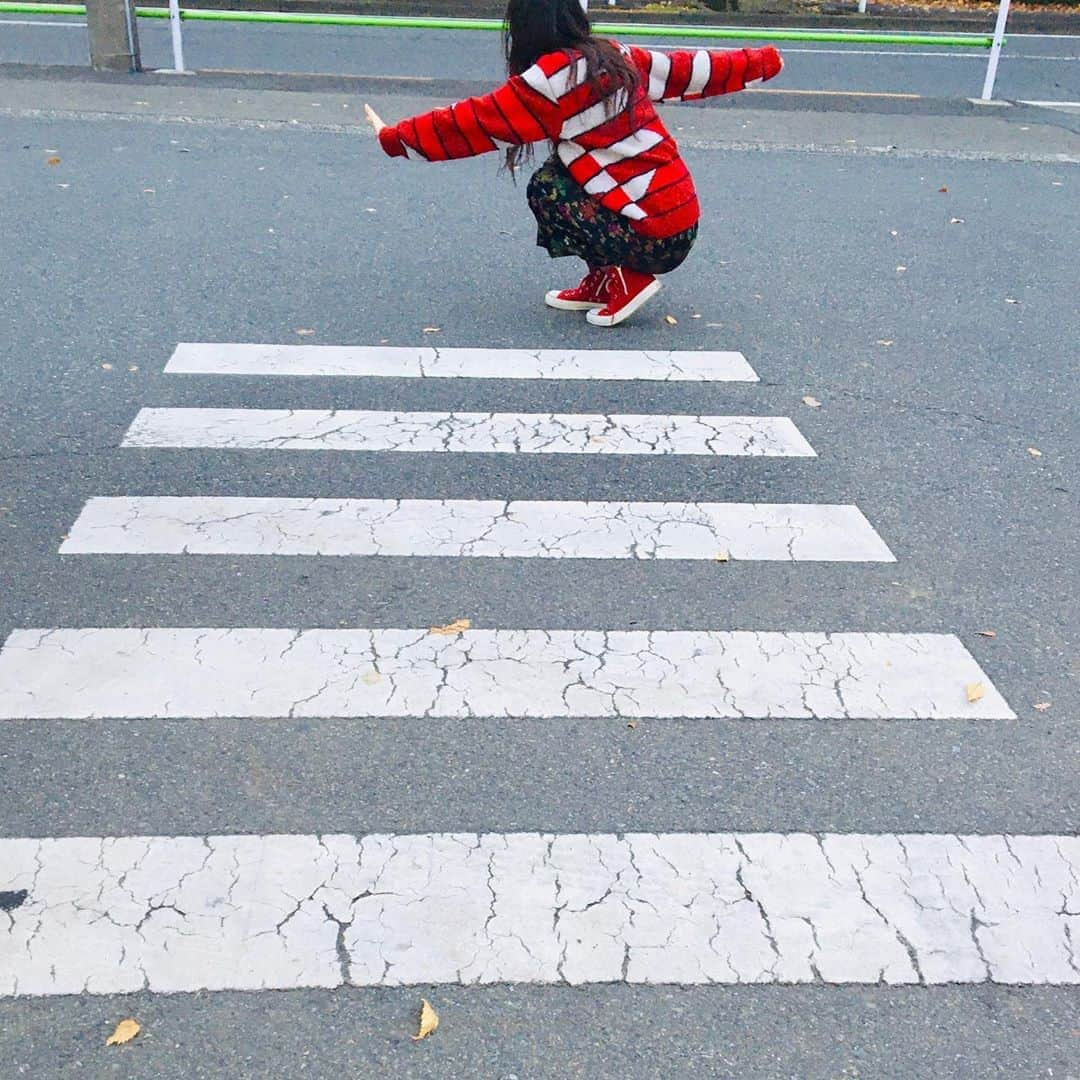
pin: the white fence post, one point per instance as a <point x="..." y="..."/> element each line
<point x="177" y="35"/>
<point x="995" y="51"/>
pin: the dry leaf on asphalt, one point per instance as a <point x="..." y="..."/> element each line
<point x="812" y="402"/>
<point x="52" y="161"/>
<point x="458" y="626"/>
<point x="942" y="190"/>
<point x="106" y="367"/>
<point x="974" y="691"/>
<point x="671" y="320"/>
<point x="722" y="556"/>
<point x="432" y="329"/>
<point x="125" y="1031"/>
<point x="304" y="333"/>
<point x="987" y="633"/>
<point x="1042" y="706"/>
<point x="429" y="1020"/>
<point x="1034" y="451"/>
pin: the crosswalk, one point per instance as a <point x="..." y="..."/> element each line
<point x="177" y="913"/>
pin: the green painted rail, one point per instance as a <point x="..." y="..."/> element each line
<point x="744" y="33"/>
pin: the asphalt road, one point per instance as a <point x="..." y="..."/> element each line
<point x="146" y="234"/>
<point x="1032" y="68"/>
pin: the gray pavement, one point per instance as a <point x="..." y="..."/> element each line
<point x="153" y="230"/>
<point x="1032" y="68"/>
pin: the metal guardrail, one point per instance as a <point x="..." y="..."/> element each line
<point x="176" y="15"/>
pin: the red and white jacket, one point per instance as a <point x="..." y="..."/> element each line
<point x="628" y="161"/>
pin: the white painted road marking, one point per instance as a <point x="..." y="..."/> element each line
<point x="265" y="673"/>
<point x="415" y="363"/>
<point x="184" y="914"/>
<point x="466" y="432"/>
<point x="481" y="528"/>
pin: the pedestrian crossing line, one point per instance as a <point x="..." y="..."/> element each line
<point x="252" y="673"/>
<point x="203" y="358"/>
<point x="481" y="528"/>
<point x="194" y="913"/>
<point x="467" y="432"/>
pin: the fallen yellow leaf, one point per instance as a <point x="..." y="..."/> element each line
<point x="974" y="691"/>
<point x="812" y="402"/>
<point x="671" y="320"/>
<point x="942" y="190"/>
<point x="52" y="161"/>
<point x="304" y="333"/>
<point x="722" y="556"/>
<point x="125" y="1031"/>
<point x="458" y="626"/>
<point x="429" y="1020"/>
<point x="1042" y="706"/>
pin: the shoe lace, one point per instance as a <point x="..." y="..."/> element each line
<point x="596" y="281"/>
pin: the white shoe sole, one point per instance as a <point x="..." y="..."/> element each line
<point x="624" y="313"/>
<point x="552" y="300"/>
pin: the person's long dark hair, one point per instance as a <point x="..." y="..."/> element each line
<point x="535" y="27"/>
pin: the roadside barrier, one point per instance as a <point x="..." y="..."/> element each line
<point x="176" y="15"/>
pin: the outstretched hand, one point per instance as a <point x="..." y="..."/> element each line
<point x="374" y="119"/>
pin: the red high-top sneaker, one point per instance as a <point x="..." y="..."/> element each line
<point x="591" y="293"/>
<point x="627" y="291"/>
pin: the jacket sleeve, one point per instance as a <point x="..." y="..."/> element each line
<point x="515" y="114"/>
<point x="700" y="73"/>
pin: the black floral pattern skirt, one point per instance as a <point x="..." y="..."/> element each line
<point x="571" y="222"/>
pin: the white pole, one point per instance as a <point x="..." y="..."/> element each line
<point x="177" y="35"/>
<point x="862" y="7"/>
<point x="995" y="51"/>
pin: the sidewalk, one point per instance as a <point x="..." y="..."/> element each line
<point x="879" y="124"/>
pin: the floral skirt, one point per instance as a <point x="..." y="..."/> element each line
<point x="571" y="222"/>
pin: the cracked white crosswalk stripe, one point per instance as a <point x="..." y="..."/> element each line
<point x="198" y="358"/>
<point x="481" y="528"/>
<point x="252" y="673"/>
<point x="467" y="432"/>
<point x="185" y="914"/>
